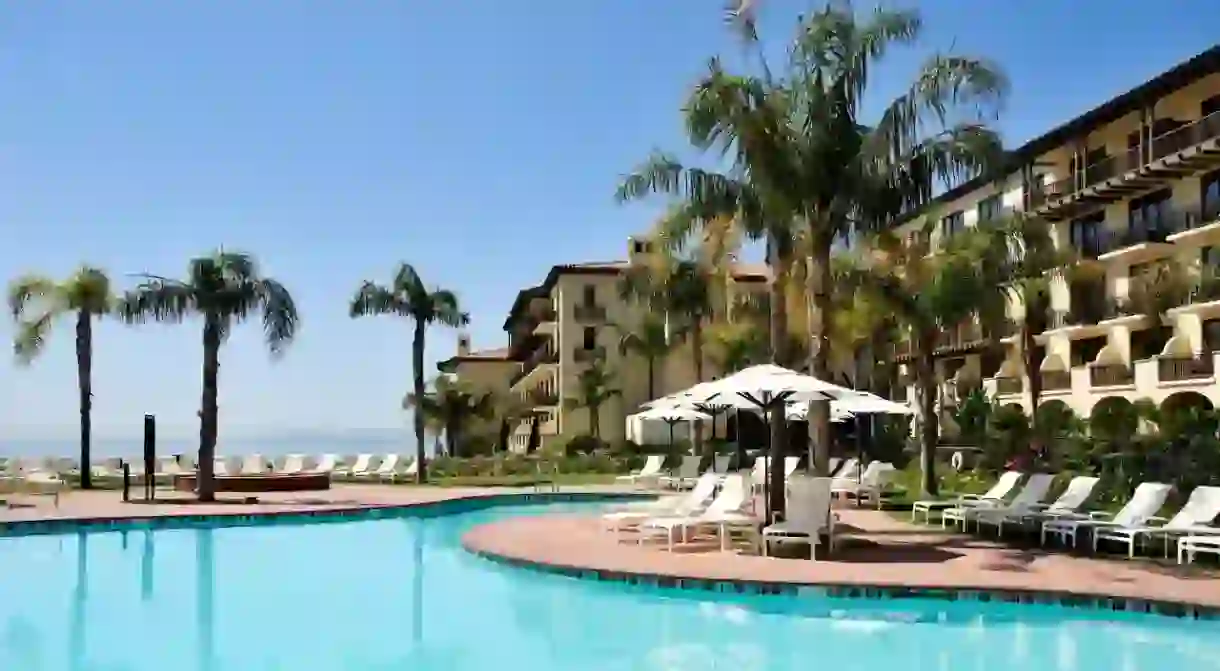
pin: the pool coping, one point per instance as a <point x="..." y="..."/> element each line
<point x="463" y="502"/>
<point x="863" y="589"/>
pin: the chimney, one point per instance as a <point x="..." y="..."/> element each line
<point x="638" y="249"/>
<point x="463" y="344"/>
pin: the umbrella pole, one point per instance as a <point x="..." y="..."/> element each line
<point x="767" y="510"/>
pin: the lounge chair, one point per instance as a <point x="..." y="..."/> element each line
<point x="1195" y="517"/>
<point x="728" y="507"/>
<point x="872" y="482"/>
<point x="410" y="471"/>
<point x="41" y="482"/>
<point x="386" y="470"/>
<point x="998" y="491"/>
<point x="1032" y="493"/>
<point x="294" y="464"/>
<point x="650" y="471"/>
<point x="326" y="464"/>
<point x="676" y="505"/>
<point x="808" y="516"/>
<point x="720" y="463"/>
<point x="253" y="464"/>
<point x="1077" y="493"/>
<point x="362" y="466"/>
<point x="1192" y="544"/>
<point x="220" y="466"/>
<point x="849" y="469"/>
<point x="833" y="465"/>
<point x="686" y="475"/>
<point x="1144" y="504"/>
<point x="110" y="468"/>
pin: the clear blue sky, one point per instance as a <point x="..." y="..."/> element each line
<point x="480" y="140"/>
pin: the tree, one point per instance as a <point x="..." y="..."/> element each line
<point x="735" y="346"/>
<point x="36" y="302"/>
<point x="450" y="407"/>
<point x="223" y="288"/>
<point x="650" y="341"/>
<point x="407" y="297"/>
<point x="928" y="294"/>
<point x="594" y="387"/>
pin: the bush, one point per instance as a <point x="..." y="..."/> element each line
<point x="584" y="444"/>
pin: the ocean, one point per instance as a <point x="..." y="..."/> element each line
<point x="376" y="441"/>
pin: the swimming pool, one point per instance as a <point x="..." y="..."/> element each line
<point x="400" y="593"/>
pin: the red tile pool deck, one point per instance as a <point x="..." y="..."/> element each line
<point x="878" y="551"/>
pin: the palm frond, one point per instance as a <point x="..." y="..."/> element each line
<point x="32" y="288"/>
<point x="409" y="285"/>
<point x="160" y="299"/>
<point x="444" y="309"/>
<point x="31" y="336"/>
<point x="374" y="299"/>
<point x="280" y="317"/>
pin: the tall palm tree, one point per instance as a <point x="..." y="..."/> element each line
<point x="735" y="346"/>
<point x="650" y="341"/>
<point x="223" y="288"/>
<point x="593" y="389"/>
<point x="928" y="294"/>
<point x="406" y="296"/>
<point x="450" y="407"/>
<point x="36" y="302"/>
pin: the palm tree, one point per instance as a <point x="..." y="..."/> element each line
<point x="223" y="288"/>
<point x="406" y="296"/>
<point x="650" y="341"/>
<point x="594" y="387"/>
<point x="36" y="302"/>
<point x="928" y="294"/>
<point x="451" y="406"/>
<point x="734" y="346"/>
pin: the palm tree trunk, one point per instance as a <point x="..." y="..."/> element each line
<point x="818" y="284"/>
<point x="704" y="451"/>
<point x="777" y="323"/>
<point x="451" y="437"/>
<point x="925" y="375"/>
<point x="652" y="385"/>
<point x="417" y="417"/>
<point x="595" y="424"/>
<point x="209" y="411"/>
<point x="1031" y="362"/>
<point x="84" y="382"/>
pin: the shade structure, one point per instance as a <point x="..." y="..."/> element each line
<point x="684" y="397"/>
<point x="799" y="411"/>
<point x="846" y="408"/>
<point x="672" y="413"/>
<point x="768" y="384"/>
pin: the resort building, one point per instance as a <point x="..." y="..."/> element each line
<point x="554" y="330"/>
<point x="1133" y="188"/>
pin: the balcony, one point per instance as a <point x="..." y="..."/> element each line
<point x="1182" y="151"/>
<point x="1056" y="380"/>
<point x="1009" y="385"/>
<point x="586" y="313"/>
<point x="1169" y="369"/>
<point x="545" y="400"/>
<point x="543" y="356"/>
<point x="545" y="324"/>
<point x="1137" y="243"/>
<point x="1198" y="224"/>
<point x="1111" y="375"/>
<point x="1118" y="308"/>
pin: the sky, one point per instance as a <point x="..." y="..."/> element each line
<point x="479" y="140"/>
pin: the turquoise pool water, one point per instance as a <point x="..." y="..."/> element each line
<point x="401" y="594"/>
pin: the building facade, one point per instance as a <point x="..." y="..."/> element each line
<point x="1132" y="188"/>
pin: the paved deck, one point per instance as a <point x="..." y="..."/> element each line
<point x="877" y="550"/>
<point x="100" y="504"/>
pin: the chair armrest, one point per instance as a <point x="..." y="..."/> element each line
<point x="970" y="497"/>
<point x="1035" y="507"/>
<point x="1100" y="515"/>
<point x="1156" y="521"/>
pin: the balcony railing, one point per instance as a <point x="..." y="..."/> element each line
<point x="1009" y="385"/>
<point x="1117" y="307"/>
<point x="546" y="400"/>
<point x="1110" y="375"/>
<point x="546" y="314"/>
<point x="1163" y="145"/>
<point x="1136" y="235"/>
<point x="542" y="355"/>
<point x="1206" y="288"/>
<point x="1090" y="247"/>
<point x="589" y="313"/>
<point x="1169" y="369"/>
<point x="1054" y="380"/>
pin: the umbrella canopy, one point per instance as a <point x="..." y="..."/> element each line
<point x="684" y="397"/>
<point x="672" y="413"/>
<point x="768" y="383"/>
<point x="871" y="404"/>
<point x="799" y="411"/>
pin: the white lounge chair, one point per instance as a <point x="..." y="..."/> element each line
<point x="1191" y="545"/>
<point x="109" y="468"/>
<point x="677" y="505"/>
<point x="808" y="516"/>
<point x="220" y="466"/>
<point x="1195" y="517"/>
<point x="326" y="464"/>
<point x="294" y="464"/>
<point x="1032" y="493"/>
<point x="686" y="475"/>
<point x="872" y="482"/>
<point x="849" y="469"/>
<point x="410" y="471"/>
<point x="253" y="464"/>
<point x="998" y="491"/>
<point x="650" y="471"/>
<point x="1077" y="493"/>
<point x="1143" y="505"/>
<point x="728" y="507"/>
<point x="832" y="467"/>
<point x="386" y="470"/>
<point x="41" y="482"/>
<point x="362" y="466"/>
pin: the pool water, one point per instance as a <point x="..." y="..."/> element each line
<point x="401" y="594"/>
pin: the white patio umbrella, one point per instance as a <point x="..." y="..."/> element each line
<point x="671" y="415"/>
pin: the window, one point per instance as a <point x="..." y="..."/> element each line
<point x="590" y="295"/>
<point x="588" y="340"/>
<point x="989" y="209"/>
<point x="1209" y="187"/>
<point x="952" y="225"/>
<point x="1209" y="257"/>
<point x="640" y="246"/>
<point x="1149" y="213"/>
<point x="1085" y="233"/>
<point x="1210" y="106"/>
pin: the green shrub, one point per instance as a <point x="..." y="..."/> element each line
<point x="584" y="444"/>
